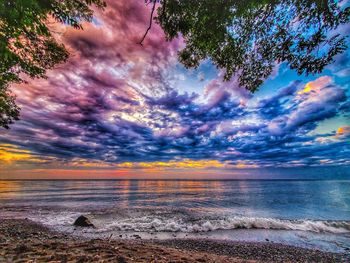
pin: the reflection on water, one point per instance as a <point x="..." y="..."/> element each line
<point x="9" y="189"/>
<point x="282" y="199"/>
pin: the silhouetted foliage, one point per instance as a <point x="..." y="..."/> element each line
<point x="247" y="38"/>
<point x="8" y="108"/>
<point x="27" y="46"/>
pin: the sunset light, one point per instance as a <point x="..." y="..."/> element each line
<point x="174" y="131"/>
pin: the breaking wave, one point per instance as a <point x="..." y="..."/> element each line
<point x="151" y="224"/>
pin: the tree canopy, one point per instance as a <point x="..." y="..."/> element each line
<point x="248" y="38"/>
<point x="244" y="38"/>
<point x="27" y="46"/>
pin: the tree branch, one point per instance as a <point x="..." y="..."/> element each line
<point x="150" y="22"/>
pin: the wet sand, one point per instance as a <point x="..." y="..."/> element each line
<point x="26" y="241"/>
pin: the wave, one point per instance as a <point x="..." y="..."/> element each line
<point x="187" y="222"/>
<point x="149" y="224"/>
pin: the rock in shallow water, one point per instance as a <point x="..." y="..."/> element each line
<point x="83" y="221"/>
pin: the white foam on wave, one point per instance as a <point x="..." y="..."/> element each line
<point x="180" y="222"/>
<point x="149" y="224"/>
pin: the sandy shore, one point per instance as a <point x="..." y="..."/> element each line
<point x="25" y="241"/>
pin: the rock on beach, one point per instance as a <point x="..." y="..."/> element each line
<point x="83" y="221"/>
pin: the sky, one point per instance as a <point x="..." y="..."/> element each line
<point x="117" y="109"/>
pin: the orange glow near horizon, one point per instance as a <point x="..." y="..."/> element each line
<point x="185" y="163"/>
<point x="10" y="153"/>
<point x="149" y="166"/>
<point x="16" y="162"/>
<point x="118" y="174"/>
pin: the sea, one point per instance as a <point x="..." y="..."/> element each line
<point x="305" y="213"/>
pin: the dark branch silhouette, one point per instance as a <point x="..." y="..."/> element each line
<point x="150" y="23"/>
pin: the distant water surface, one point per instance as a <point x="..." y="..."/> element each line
<point x="313" y="213"/>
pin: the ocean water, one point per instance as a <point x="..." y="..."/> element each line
<point x="307" y="213"/>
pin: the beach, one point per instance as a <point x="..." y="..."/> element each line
<point x="174" y="221"/>
<point x="22" y="240"/>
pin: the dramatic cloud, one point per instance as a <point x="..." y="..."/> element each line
<point x="115" y="104"/>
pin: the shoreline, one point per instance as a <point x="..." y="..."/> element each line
<point x="24" y="240"/>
